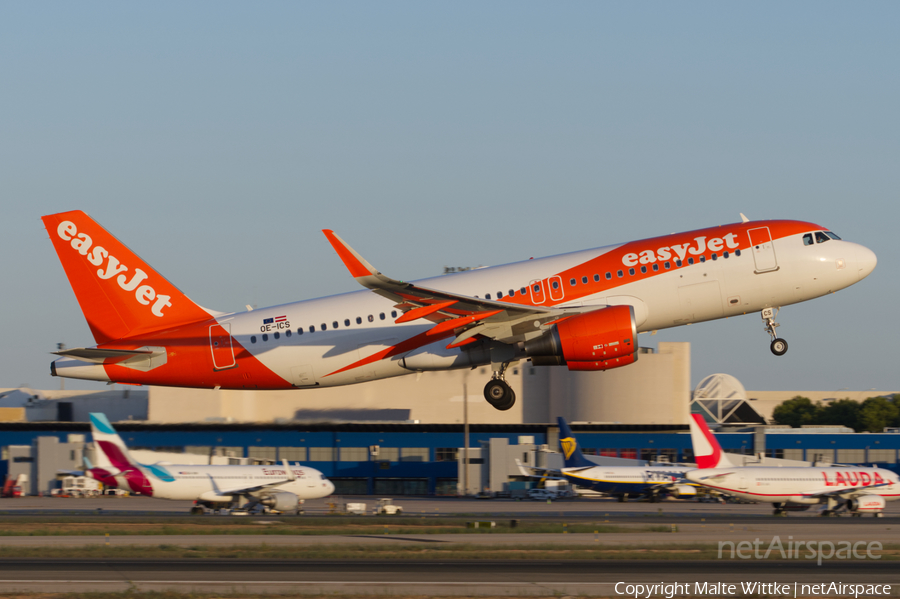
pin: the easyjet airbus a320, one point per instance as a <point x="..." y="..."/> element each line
<point x="583" y="309"/>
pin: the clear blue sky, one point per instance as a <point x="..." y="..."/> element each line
<point x="217" y="139"/>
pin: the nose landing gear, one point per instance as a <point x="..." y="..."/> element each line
<point x="778" y="346"/>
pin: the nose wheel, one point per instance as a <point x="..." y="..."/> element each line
<point x="778" y="346"/>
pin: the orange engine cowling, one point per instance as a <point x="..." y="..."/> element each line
<point x="598" y="340"/>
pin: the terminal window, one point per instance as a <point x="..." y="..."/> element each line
<point x="414" y="454"/>
<point x="262" y="453"/>
<point x="321" y="454"/>
<point x="851" y="456"/>
<point x="446" y="454"/>
<point x="388" y="454"/>
<point x="354" y="454"/>
<point x="884" y="456"/>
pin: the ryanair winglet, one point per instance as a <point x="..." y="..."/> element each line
<point x="569" y="447"/>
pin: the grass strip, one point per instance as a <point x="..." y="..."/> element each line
<point x="447" y="551"/>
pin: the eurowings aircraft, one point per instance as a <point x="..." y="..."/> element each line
<point x="860" y="490"/>
<point x="582" y="310"/>
<point x="280" y="487"/>
<point x="653" y="481"/>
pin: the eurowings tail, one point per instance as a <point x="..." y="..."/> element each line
<point x="110" y="443"/>
<point x="119" y="293"/>
<point x="707" y="451"/>
<point x="569" y="446"/>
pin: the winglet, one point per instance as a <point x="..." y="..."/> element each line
<point x="355" y="263"/>
<point x="288" y="470"/>
<point x="707" y="451"/>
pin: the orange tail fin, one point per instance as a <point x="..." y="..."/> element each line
<point x="118" y="292"/>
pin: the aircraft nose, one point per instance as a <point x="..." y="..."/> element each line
<point x="866" y="261"/>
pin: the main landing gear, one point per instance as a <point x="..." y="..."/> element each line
<point x="778" y="346"/>
<point x="498" y="393"/>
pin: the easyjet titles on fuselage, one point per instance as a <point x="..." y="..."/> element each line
<point x="716" y="244"/>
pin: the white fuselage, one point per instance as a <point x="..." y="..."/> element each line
<point x="804" y="485"/>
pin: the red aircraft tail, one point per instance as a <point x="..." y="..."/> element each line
<point x="118" y="292"/>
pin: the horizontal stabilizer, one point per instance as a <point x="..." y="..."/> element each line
<point x="99" y="356"/>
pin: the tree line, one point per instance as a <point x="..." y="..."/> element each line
<point x="873" y="414"/>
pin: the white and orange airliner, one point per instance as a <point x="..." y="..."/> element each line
<point x="583" y="309"/>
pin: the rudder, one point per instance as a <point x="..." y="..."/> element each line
<point x="572" y="456"/>
<point x="119" y="294"/>
<point x="707" y="451"/>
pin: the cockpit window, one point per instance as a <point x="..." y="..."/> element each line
<point x="832" y="235"/>
<point x="807" y="239"/>
<point x="822" y="237"/>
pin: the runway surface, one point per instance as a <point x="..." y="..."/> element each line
<point x="568" y="508"/>
<point x="414" y="578"/>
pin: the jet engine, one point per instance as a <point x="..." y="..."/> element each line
<point x="281" y="501"/>
<point x="865" y="504"/>
<point x="599" y="340"/>
<point x="685" y="490"/>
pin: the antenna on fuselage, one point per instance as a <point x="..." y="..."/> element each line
<point x="744" y="219"/>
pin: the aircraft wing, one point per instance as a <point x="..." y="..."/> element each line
<point x="464" y="315"/>
<point x="291" y="477"/>
<point x="533" y="472"/>
<point x="849" y="490"/>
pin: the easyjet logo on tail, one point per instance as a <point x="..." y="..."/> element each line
<point x="97" y="255"/>
<point x="716" y="244"/>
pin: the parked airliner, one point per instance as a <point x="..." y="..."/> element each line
<point x="280" y="487"/>
<point x="860" y="490"/>
<point x="583" y="309"/>
<point x="653" y="481"/>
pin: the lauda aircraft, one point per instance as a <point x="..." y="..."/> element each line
<point x="654" y="481"/>
<point x="860" y="490"/>
<point x="583" y="309"/>
<point x="281" y="487"/>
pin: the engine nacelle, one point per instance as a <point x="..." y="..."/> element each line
<point x="866" y="503"/>
<point x="281" y="501"/>
<point x="599" y="340"/>
<point x="685" y="490"/>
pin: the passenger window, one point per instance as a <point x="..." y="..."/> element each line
<point x="584" y="280"/>
<point x="512" y="292"/>
<point x="631" y="271"/>
<point x="678" y="263"/>
<point x="381" y="316"/>
<point x="393" y="314"/>
<point x="287" y="333"/>
<point x="358" y="320"/>
<point x="537" y="288"/>
<point x="655" y="267"/>
<point x="690" y="261"/>
<point x="821" y="237"/>
<point x="608" y="276"/>
<point x="265" y="337"/>
<point x="668" y="265"/>
<point x="715" y="256"/>
<point x="487" y="296"/>
<point x="807" y="239"/>
<point x="644" y="269"/>
<point x="737" y="252"/>
<point x="312" y="328"/>
<point x="277" y="335"/>
<point x="499" y="295"/>
<point x="597" y="278"/>
<point x="571" y="282"/>
<point x="523" y="291"/>
<point x="299" y="331"/>
<point x="324" y="326"/>
<point x="253" y="339"/>
<point x="702" y="258"/>
<point x="371" y="318"/>
<point x="725" y="255"/>
<point x="620" y="274"/>
<point x="346" y="322"/>
<point x="334" y="324"/>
